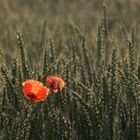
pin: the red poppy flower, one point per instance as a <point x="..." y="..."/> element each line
<point x="34" y="90"/>
<point x="53" y="82"/>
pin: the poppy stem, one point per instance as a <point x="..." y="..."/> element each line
<point x="80" y="99"/>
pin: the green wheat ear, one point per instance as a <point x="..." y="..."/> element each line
<point x="139" y="72"/>
<point x="2" y="60"/>
<point x="25" y="70"/>
<point x="10" y="88"/>
<point x="104" y="26"/>
<point x="44" y="66"/>
<point x="99" y="49"/>
<point x="113" y="88"/>
<point x="114" y="71"/>
<point x="7" y="79"/>
<point x="131" y="56"/>
<point x="87" y="66"/>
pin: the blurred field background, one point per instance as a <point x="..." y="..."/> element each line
<point x="94" y="46"/>
<point x="51" y="19"/>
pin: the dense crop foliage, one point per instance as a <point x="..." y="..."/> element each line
<point x="100" y="64"/>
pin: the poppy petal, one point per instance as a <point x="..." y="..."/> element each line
<point x="42" y="93"/>
<point x="27" y="87"/>
<point x="53" y="82"/>
<point x="34" y="90"/>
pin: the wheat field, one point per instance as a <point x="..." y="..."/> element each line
<point x="93" y="45"/>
